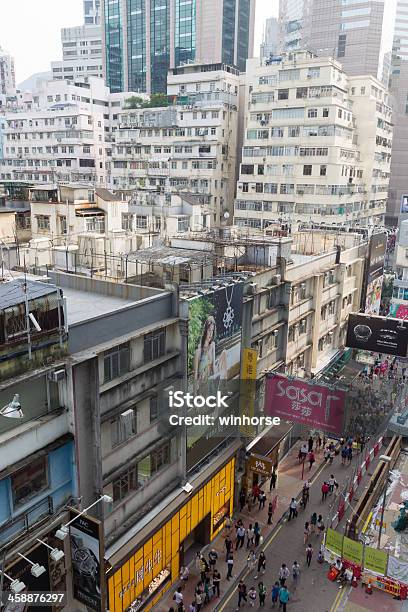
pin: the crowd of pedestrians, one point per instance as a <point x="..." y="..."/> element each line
<point x="247" y="537"/>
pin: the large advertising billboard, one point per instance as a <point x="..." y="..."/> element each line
<point x="214" y="334"/>
<point x="87" y="560"/>
<point x="377" y="334"/>
<point x="317" y="406"/>
<point x="375" y="273"/>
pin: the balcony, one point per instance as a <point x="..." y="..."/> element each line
<point x="22" y="524"/>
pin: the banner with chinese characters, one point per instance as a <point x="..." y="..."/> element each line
<point x="334" y="541"/>
<point x="353" y="551"/>
<point x="317" y="406"/>
<point x="375" y="560"/>
<point x="248" y="389"/>
<point x="145" y="573"/>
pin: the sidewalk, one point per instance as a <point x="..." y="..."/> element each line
<point x="289" y="484"/>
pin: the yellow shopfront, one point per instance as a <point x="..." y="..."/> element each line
<point x="142" y="578"/>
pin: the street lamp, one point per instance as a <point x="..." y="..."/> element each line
<point x="55" y="554"/>
<point x="13" y="409"/>
<point x="62" y="533"/>
<point x="16" y="585"/>
<point x="385" y="459"/>
<point x="36" y="569"/>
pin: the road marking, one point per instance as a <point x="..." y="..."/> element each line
<point x="341" y="599"/>
<point x="246" y="573"/>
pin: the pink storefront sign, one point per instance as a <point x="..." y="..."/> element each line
<point x="317" y="406"/>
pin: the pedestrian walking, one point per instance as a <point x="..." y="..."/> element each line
<point x="305" y="495"/>
<point x="313" y="522"/>
<point x="197" y="561"/>
<point x="275" y="593"/>
<point x="350" y="454"/>
<point x="203" y="568"/>
<point x="230" y="565"/>
<point x="311" y="460"/>
<point x="320" y="524"/>
<point x="270" y="513"/>
<point x="303" y="451"/>
<point x="283" y="598"/>
<point x="261" y="564"/>
<point x="252" y="596"/>
<point x="199" y="600"/>
<point x="255" y="493"/>
<point x="242" y="592"/>
<point x="192" y="607"/>
<point x="250" y="533"/>
<point x="228" y="546"/>
<point x="326" y="453"/>
<point x="240" y="537"/>
<point x="325" y="490"/>
<point x="310" y="444"/>
<point x="293" y="508"/>
<point x="332" y="483"/>
<point x="184" y="573"/>
<point x="212" y="558"/>
<point x="228" y="525"/>
<point x="216" y="582"/>
<point x="178" y="596"/>
<point x="343" y="455"/>
<point x="295" y="571"/>
<point x="251" y="561"/>
<point x="274" y="478"/>
<point x="257" y="531"/>
<point x="242" y="499"/>
<point x="332" y="455"/>
<point x="261" y="594"/>
<point x="319" y="443"/>
<point x="262" y="500"/>
<point x="306" y="532"/>
<point x="309" y="554"/>
<point x="283" y="574"/>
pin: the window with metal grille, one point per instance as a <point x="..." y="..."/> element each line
<point x="154" y="345"/>
<point x="116" y="362"/>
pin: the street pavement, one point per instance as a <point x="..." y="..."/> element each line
<point x="283" y="543"/>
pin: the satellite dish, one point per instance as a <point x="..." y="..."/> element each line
<point x="13" y="409"/>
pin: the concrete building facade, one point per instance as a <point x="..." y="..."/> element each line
<point x="358" y="34"/>
<point x="311" y="151"/>
<point x="7" y="74"/>
<point x="144" y="38"/>
<point x="81" y="54"/>
<point x="188" y="148"/>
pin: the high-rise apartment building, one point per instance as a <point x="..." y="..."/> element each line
<point x="187" y="148"/>
<point x="7" y="74"/>
<point x="399" y="93"/>
<point x="357" y="32"/>
<point x="270" y="42"/>
<point x="317" y="145"/>
<point x="92" y="12"/>
<point x="144" y="38"/>
<point x="81" y="53"/>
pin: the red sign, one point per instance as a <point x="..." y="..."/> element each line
<point x="294" y="399"/>
<point x="376" y="449"/>
<point x="341" y="510"/>
<point x="367" y="460"/>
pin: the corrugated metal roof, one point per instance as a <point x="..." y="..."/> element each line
<point x="12" y="292"/>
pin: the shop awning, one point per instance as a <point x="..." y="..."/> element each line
<point x="264" y="446"/>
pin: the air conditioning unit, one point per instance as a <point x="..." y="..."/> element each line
<point x="275" y="332"/>
<point x="276" y="279"/>
<point x="57" y="375"/>
<point x="252" y="288"/>
<point x="127" y="422"/>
